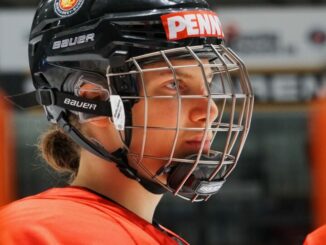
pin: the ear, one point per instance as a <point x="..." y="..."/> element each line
<point x="94" y="91"/>
<point x="100" y="122"/>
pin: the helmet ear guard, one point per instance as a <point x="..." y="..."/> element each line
<point x="95" y="86"/>
<point x="90" y="86"/>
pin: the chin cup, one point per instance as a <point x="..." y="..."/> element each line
<point x="198" y="182"/>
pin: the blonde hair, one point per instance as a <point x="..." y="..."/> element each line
<point x="60" y="152"/>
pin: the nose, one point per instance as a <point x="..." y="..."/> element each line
<point x="203" y="109"/>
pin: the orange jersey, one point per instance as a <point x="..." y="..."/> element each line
<point x="317" y="237"/>
<point x="73" y="215"/>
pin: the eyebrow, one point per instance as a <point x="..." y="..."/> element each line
<point x="182" y="73"/>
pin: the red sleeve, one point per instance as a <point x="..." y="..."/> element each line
<point x="19" y="224"/>
<point x="25" y="235"/>
<point x="317" y="237"/>
<point x="79" y="219"/>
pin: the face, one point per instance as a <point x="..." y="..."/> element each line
<point x="166" y="111"/>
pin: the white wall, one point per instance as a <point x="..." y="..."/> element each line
<point x="277" y="38"/>
<point x="14" y="32"/>
<point x="266" y="38"/>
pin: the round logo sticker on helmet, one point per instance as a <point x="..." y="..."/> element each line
<point x="66" y="8"/>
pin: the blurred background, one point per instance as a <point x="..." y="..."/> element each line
<point x="277" y="194"/>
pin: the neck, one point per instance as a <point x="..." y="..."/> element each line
<point x="105" y="178"/>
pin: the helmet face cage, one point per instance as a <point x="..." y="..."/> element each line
<point x="193" y="159"/>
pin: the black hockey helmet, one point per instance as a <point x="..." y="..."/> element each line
<point x="95" y="34"/>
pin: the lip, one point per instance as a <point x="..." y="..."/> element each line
<point x="200" y="137"/>
<point x="196" y="142"/>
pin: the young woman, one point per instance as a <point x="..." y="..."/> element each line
<point x="145" y="99"/>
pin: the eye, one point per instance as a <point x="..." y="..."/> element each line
<point x="171" y="85"/>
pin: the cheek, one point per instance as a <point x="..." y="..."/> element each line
<point x="162" y="113"/>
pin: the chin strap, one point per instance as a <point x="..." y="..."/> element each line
<point x="54" y="100"/>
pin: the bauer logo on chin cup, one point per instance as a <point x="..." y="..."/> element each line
<point x="209" y="187"/>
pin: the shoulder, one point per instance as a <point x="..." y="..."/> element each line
<point x="63" y="215"/>
<point x="317" y="237"/>
<point x="40" y="207"/>
<point x="18" y="221"/>
<point x="56" y="217"/>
